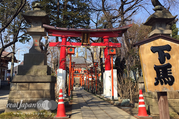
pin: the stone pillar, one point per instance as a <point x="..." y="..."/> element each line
<point x="34" y="82"/>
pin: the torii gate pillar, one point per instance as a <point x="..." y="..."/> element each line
<point x="107" y="72"/>
<point x="61" y="72"/>
<point x="107" y="87"/>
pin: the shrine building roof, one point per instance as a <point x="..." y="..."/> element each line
<point x="80" y="62"/>
<point x="155" y="38"/>
<point x="7" y="56"/>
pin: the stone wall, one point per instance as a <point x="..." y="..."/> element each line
<point x="151" y="100"/>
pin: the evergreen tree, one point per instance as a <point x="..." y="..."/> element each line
<point x="175" y="32"/>
<point x="67" y="13"/>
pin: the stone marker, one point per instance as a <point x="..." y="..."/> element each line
<point x="33" y="82"/>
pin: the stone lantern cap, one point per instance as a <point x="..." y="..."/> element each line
<point x="36" y="14"/>
<point x="161" y="14"/>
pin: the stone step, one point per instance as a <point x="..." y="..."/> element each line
<point x="34" y="79"/>
<point x="35" y="59"/>
<point x="34" y="70"/>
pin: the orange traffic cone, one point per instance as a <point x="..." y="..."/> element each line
<point x="142" y="113"/>
<point x="61" y="107"/>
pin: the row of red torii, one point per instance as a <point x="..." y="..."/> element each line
<point x="64" y="33"/>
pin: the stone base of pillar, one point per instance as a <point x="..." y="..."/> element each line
<point x="107" y="87"/>
<point x="32" y="85"/>
<point x="61" y="79"/>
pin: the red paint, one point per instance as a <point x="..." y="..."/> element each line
<point x="112" y="82"/>
<point x="61" y="107"/>
<point x="88" y="78"/>
<point x="78" y="34"/>
<point x="142" y="110"/>
<point x="72" y="78"/>
<point x="106" y="55"/>
<point x="59" y="44"/>
<point x="74" y="32"/>
<point x="63" y="54"/>
<point x="91" y="71"/>
<point x="73" y="65"/>
<point x="71" y="50"/>
<point x="96" y="80"/>
<point x="112" y="51"/>
<point x="69" y="84"/>
<point x="35" y="40"/>
<point x="80" y="80"/>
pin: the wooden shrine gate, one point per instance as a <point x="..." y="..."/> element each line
<point x="85" y="34"/>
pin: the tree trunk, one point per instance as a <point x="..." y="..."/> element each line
<point x="12" y="63"/>
<point x="131" y="92"/>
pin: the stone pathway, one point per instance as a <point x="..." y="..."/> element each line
<point x="87" y="106"/>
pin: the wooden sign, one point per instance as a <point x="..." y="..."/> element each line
<point x="85" y="39"/>
<point x="112" y="51"/>
<point x="160" y="63"/>
<point x="71" y="50"/>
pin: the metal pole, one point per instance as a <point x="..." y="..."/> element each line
<point x="72" y="83"/>
<point x="91" y="80"/>
<point x="80" y="80"/>
<point x="83" y="79"/>
<point x="69" y="77"/>
<point x="112" y="77"/>
<point x="88" y="80"/>
<point x="96" y="79"/>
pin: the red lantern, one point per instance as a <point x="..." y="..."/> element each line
<point x="95" y="64"/>
<point x="71" y="50"/>
<point x="112" y="51"/>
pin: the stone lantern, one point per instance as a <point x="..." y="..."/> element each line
<point x="160" y="21"/>
<point x="36" y="18"/>
<point x="33" y="84"/>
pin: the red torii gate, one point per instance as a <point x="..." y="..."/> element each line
<point x="77" y="32"/>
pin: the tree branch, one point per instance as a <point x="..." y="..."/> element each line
<point x="23" y="2"/>
<point x="1" y="40"/>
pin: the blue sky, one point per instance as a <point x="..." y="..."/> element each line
<point x="140" y="17"/>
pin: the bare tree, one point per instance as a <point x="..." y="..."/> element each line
<point x="7" y="21"/>
<point x="118" y="14"/>
<point x="170" y="4"/>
